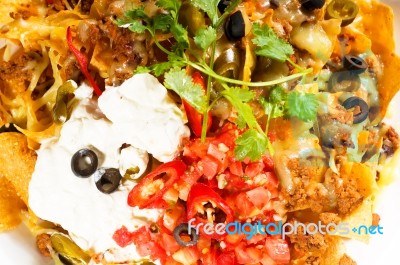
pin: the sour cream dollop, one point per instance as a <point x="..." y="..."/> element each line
<point x="138" y="114"/>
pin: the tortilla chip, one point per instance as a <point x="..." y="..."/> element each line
<point x="17" y="162"/>
<point x="377" y="23"/>
<point x="363" y="175"/>
<point x="362" y="216"/>
<point x="10" y="206"/>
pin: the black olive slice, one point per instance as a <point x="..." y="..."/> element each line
<point x="235" y="26"/>
<point x="222" y="5"/>
<point x="84" y="163"/>
<point x="354" y="64"/>
<point x="312" y="4"/>
<point x="363" y="109"/>
<point x="344" y="82"/>
<point x="9" y="128"/>
<point x="183" y="230"/>
<point x="107" y="179"/>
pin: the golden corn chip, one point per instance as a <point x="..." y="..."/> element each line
<point x="10" y="206"/>
<point x="360" y="218"/>
<point x="17" y="162"/>
<point x="376" y="22"/>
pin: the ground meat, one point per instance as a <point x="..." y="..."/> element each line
<point x="14" y="78"/>
<point x="346" y="260"/>
<point x="391" y="141"/>
<point x="346" y="192"/>
<point x="313" y="260"/>
<point x="329" y="218"/>
<point x="306" y="242"/>
<point x="43" y="242"/>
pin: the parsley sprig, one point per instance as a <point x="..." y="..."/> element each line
<point x="254" y="141"/>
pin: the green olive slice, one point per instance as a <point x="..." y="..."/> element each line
<point x="346" y="10"/>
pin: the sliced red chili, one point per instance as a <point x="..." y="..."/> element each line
<point x="199" y="196"/>
<point x="82" y="61"/>
<point x="150" y="190"/>
<point x="195" y="118"/>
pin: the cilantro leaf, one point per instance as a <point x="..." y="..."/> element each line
<point x="170" y="5"/>
<point x="238" y="98"/>
<point x="137" y="13"/>
<point x="208" y="6"/>
<point x="269" y="44"/>
<point x="162" y="22"/>
<point x="251" y="144"/>
<point x="137" y="26"/>
<point x="205" y="37"/>
<point x="182" y="84"/>
<point x="180" y="34"/>
<point x="302" y="105"/>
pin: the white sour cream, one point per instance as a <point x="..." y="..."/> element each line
<point x="138" y="113"/>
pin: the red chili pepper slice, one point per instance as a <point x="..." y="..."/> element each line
<point x="152" y="187"/>
<point x="195" y="118"/>
<point x="199" y="195"/>
<point x="83" y="62"/>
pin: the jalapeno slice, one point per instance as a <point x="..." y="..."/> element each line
<point x="346" y="10"/>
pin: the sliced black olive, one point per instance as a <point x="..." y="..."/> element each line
<point x="8" y="128"/>
<point x="183" y="230"/>
<point x="312" y="4"/>
<point x="84" y="163"/>
<point x="107" y="179"/>
<point x="222" y="5"/>
<point x="343" y="82"/>
<point x="354" y="64"/>
<point x="235" y="26"/>
<point x="361" y="113"/>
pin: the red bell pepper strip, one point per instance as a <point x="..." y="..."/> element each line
<point x="83" y="62"/>
<point x="195" y="118"/>
<point x="152" y="187"/>
<point x="199" y="195"/>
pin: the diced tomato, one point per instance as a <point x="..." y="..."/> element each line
<point x="272" y="179"/>
<point x="187" y="255"/>
<point x="236" y="168"/>
<point x="209" y="258"/>
<point x="169" y="243"/>
<point x="254" y="168"/>
<point x="173" y="216"/>
<point x="171" y="261"/>
<point x="171" y="196"/>
<point x="226" y="258"/>
<point x="216" y="153"/>
<point x="268" y="163"/>
<point x="243" y="256"/>
<point x="195" y="150"/>
<point x="233" y="239"/>
<point x="209" y="165"/>
<point x="203" y="243"/>
<point x="191" y="176"/>
<point x="122" y="237"/>
<point x="254" y="253"/>
<point x="256" y="239"/>
<point x="235" y="183"/>
<point x="278" y="250"/>
<point x="141" y="237"/>
<point x="245" y="207"/>
<point x="228" y="135"/>
<point x="259" y="197"/>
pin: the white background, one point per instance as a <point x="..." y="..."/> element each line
<point x="18" y="247"/>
